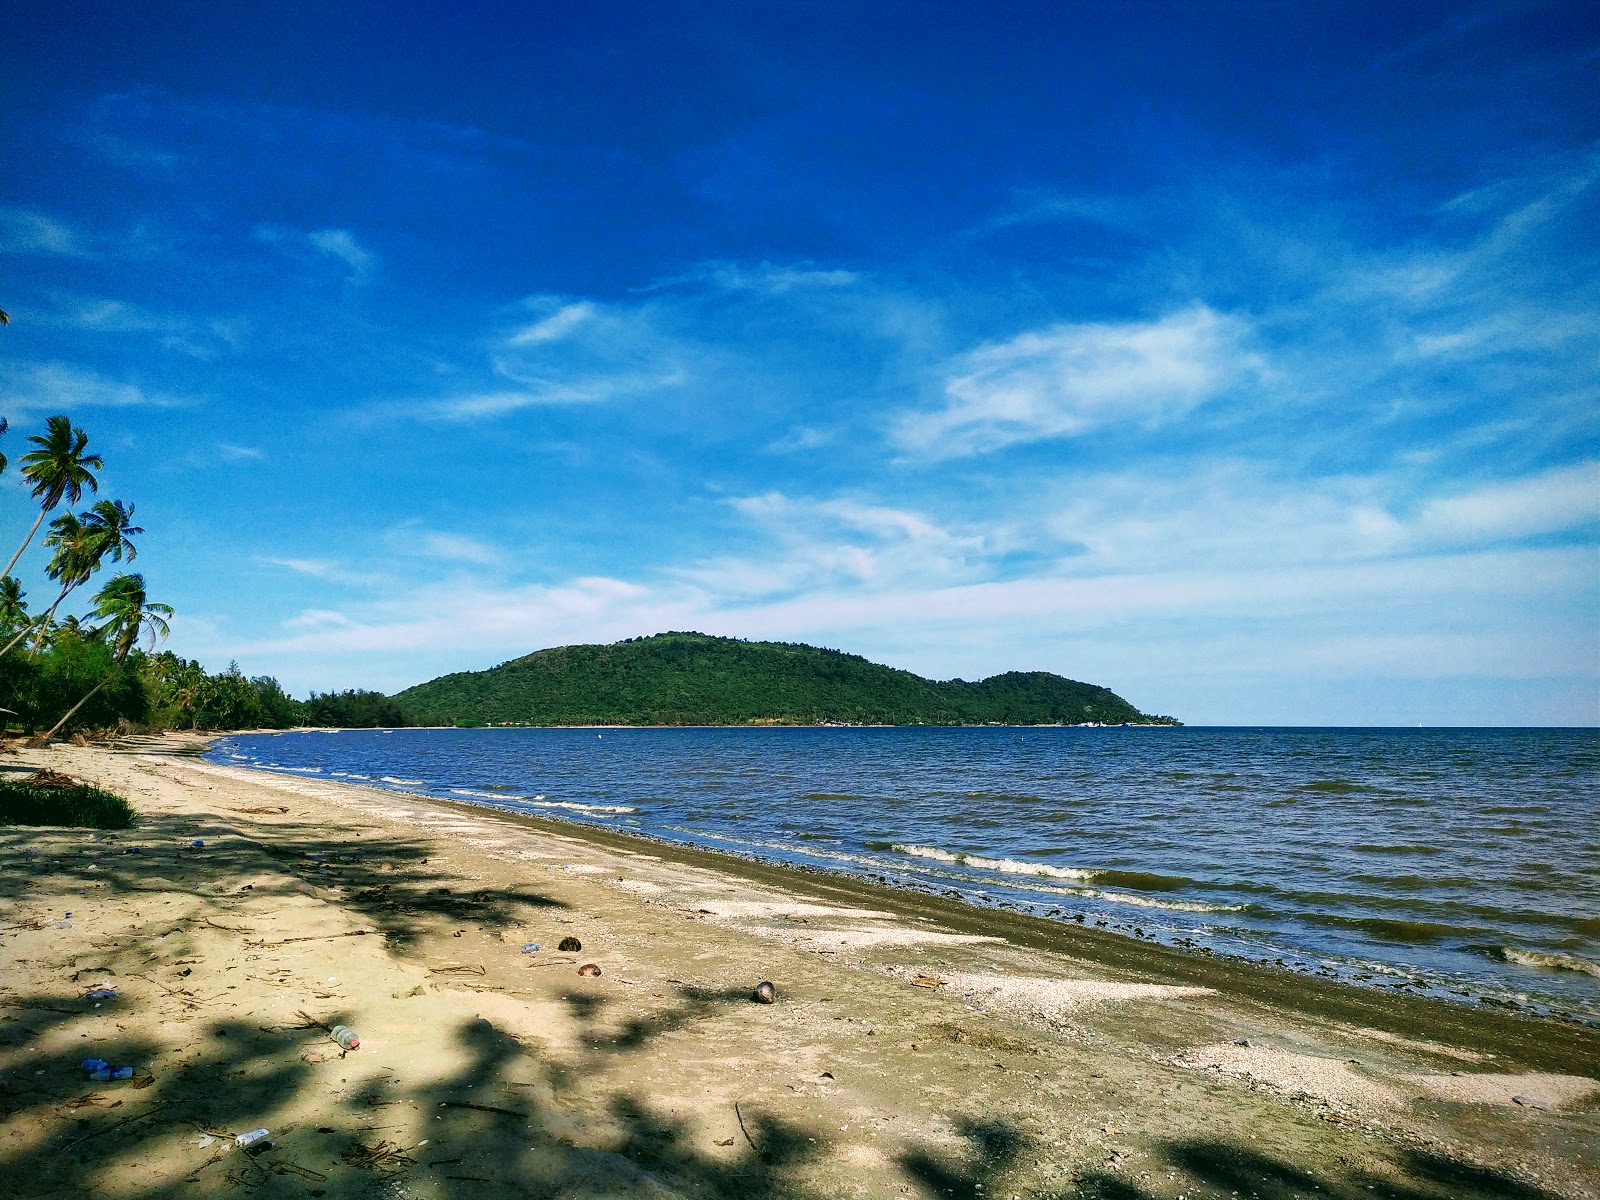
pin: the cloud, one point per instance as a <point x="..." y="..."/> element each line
<point x="554" y="327"/>
<point x="763" y="278"/>
<point x="1069" y="379"/>
<point x="574" y="352"/>
<point x="317" y="568"/>
<point x="1551" y="502"/>
<point x="341" y="244"/>
<point x="228" y="452"/>
<point x="29" y="231"/>
<point x="445" y="547"/>
<point x="61" y="387"/>
<point x="196" y="337"/>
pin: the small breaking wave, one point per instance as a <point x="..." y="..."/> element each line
<point x="601" y="809"/>
<point x="404" y="782"/>
<point x="1006" y="866"/>
<point x="1550" y="962"/>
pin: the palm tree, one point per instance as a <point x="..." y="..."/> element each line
<point x="4" y="424"/>
<point x="110" y="525"/>
<point x="59" y="470"/>
<point x="13" y="604"/>
<point x="72" y="563"/>
<point x="128" y="615"/>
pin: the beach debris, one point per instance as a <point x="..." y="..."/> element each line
<point x="204" y="1140"/>
<point x="50" y="779"/>
<point x="530" y="947"/>
<point x="244" y="1141"/>
<point x="198" y="843"/>
<point x="95" y="1064"/>
<point x="928" y="981"/>
<point x="384" y="1154"/>
<point x="108" y="1074"/>
<point x="726" y="1142"/>
<point x="101" y="993"/>
<point x="764" y="993"/>
<point x="346" y="1037"/>
<point x="570" y="944"/>
<point x="1245" y="1042"/>
<point x="1529" y="1102"/>
<point x="589" y="969"/>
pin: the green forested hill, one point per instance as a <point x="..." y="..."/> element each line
<point x="694" y="679"/>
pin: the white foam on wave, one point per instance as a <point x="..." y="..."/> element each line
<point x="1550" y="962"/>
<point x="601" y="809"/>
<point x="403" y="782"/>
<point x="1005" y="866"/>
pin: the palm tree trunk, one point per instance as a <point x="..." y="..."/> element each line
<point x="21" y="633"/>
<point x="44" y="621"/>
<point x="37" y="521"/>
<point x="42" y="738"/>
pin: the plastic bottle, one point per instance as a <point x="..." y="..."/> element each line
<point x="95" y="1064"/>
<point x="345" y="1036"/>
<point x="250" y="1139"/>
<point x="105" y="1074"/>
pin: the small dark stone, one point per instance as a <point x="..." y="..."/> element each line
<point x="590" y="969"/>
<point x="764" y="993"/>
<point x="570" y="943"/>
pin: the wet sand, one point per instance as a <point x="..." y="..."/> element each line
<point x="918" y="1046"/>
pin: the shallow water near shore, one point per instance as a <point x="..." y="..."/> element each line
<point x="1458" y="863"/>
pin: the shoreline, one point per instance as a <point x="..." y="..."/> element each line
<point x="1514" y="1034"/>
<point x="918" y="1046"/>
<point x="1481" y="993"/>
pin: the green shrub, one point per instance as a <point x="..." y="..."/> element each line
<point x="80" y="806"/>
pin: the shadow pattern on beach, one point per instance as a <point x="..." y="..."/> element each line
<point x="517" y="1119"/>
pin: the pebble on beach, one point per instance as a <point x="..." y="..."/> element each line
<point x="764" y="993"/>
<point x="589" y="969"/>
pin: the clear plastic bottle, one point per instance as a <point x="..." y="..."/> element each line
<point x="106" y="1074"/>
<point x="345" y="1036"/>
<point x="250" y="1139"/>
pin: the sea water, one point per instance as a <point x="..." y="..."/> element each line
<point x="1458" y="863"/>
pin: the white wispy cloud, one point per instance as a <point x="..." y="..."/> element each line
<point x="443" y="547"/>
<point x="317" y="568"/>
<point x="1068" y="379"/>
<point x="63" y="387"/>
<point x="30" y="231"/>
<point x="564" y="351"/>
<point x="342" y="245"/>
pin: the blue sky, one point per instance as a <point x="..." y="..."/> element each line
<point x="1241" y="357"/>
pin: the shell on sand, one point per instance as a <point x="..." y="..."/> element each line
<point x="589" y="969"/>
<point x="764" y="993"/>
<point x="570" y="943"/>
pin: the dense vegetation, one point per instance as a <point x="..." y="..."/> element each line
<point x="60" y="671"/>
<point x="694" y="679"/>
<point x="46" y="799"/>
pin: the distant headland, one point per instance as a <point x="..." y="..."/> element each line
<point x="697" y="679"/>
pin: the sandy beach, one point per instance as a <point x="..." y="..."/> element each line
<point x="917" y="1047"/>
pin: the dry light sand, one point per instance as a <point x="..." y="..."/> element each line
<point x="917" y="1048"/>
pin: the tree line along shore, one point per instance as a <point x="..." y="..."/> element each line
<point x="76" y="662"/>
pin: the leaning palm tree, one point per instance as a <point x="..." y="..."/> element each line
<point x="13" y="604"/>
<point x="128" y="615"/>
<point x="4" y="424"/>
<point x="110" y="525"/>
<point x="59" y="470"/>
<point x="77" y="556"/>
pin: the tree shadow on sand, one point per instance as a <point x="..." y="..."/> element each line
<point x="517" y="1119"/>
